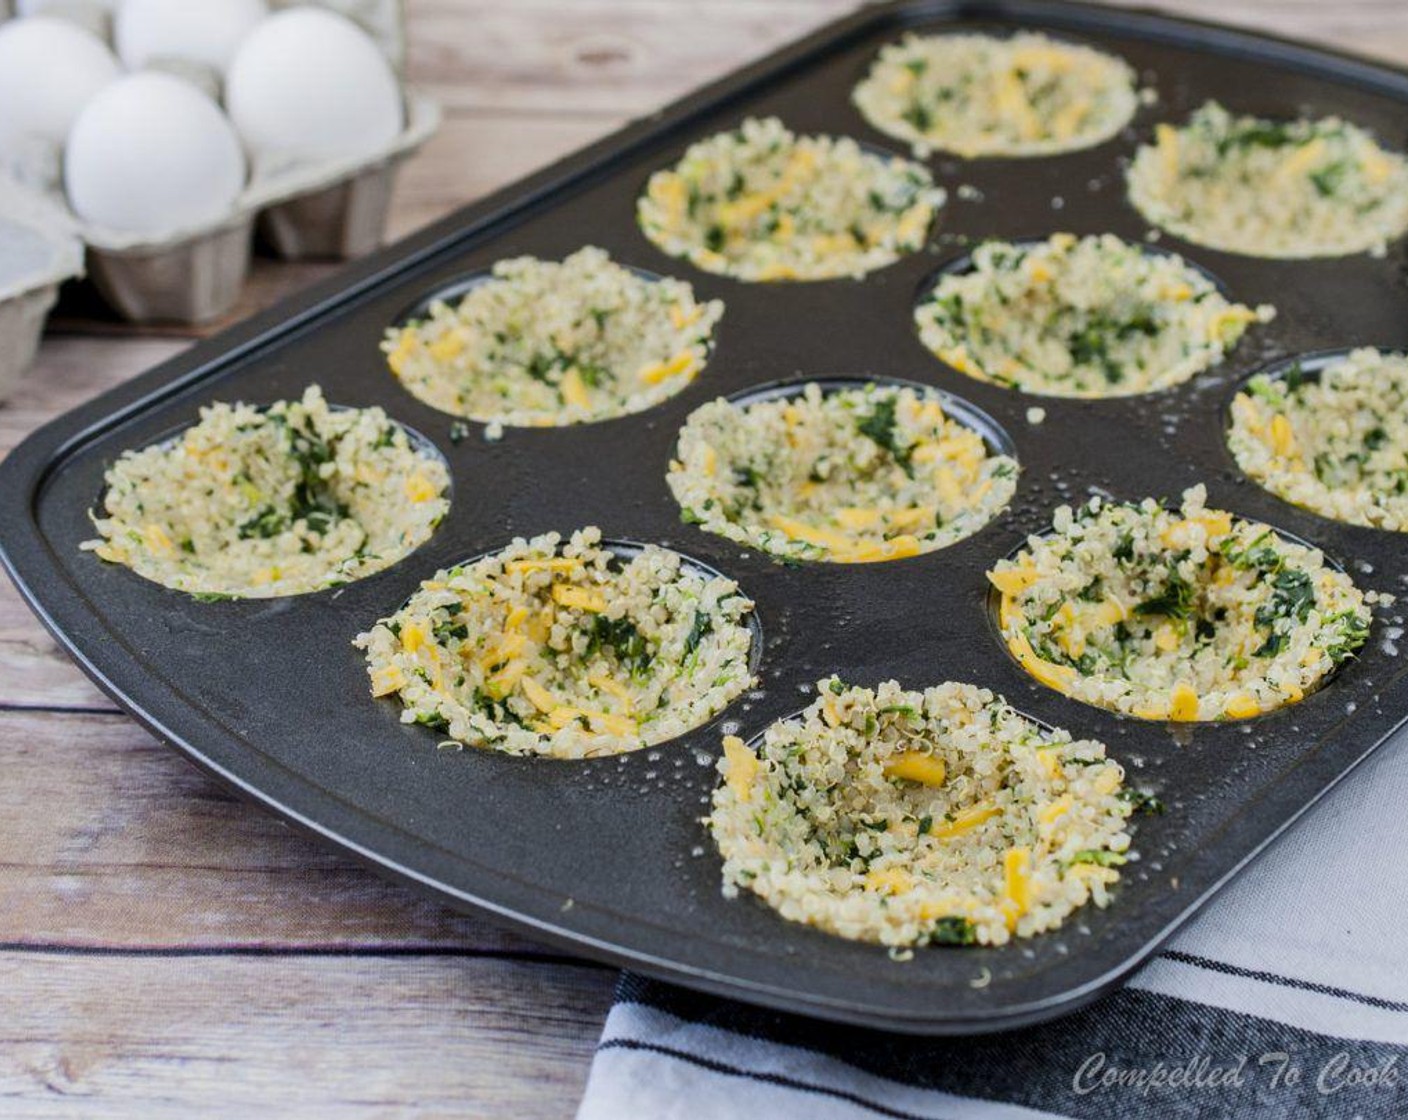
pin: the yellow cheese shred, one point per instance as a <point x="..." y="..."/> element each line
<point x="891" y="880"/>
<point x="1183" y="703"/>
<point x="580" y="598"/>
<point x="743" y="767"/>
<point x="965" y="821"/>
<point x="1016" y="867"/>
<point x="916" y="766"/>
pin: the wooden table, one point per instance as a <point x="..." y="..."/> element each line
<point x="167" y="951"/>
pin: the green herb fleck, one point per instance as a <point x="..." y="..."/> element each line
<point x="953" y="930"/>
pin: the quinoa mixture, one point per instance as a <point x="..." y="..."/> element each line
<point x="546" y="343"/>
<point x="979" y="95"/>
<point x="1184" y="615"/>
<point x="1080" y="317"/>
<point x="1335" y="443"/>
<point x="1265" y="188"/>
<point x="941" y="817"/>
<point x="260" y="502"/>
<point x="564" y="649"/>
<point x="761" y="203"/>
<point x="850" y="476"/>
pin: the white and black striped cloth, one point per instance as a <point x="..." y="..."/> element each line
<point x="1287" y="997"/>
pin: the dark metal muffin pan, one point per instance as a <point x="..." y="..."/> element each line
<point x="608" y="857"/>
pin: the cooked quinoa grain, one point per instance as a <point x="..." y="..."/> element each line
<point x="979" y="95"/>
<point x="1080" y="317"/>
<point x="762" y="203"/>
<point x="260" y="502"/>
<point x="851" y="476"/>
<point x="567" y="650"/>
<point x="1335" y="442"/>
<point x="1176" y="615"/>
<point x="1264" y="188"/>
<point x="545" y="343"/>
<point x="940" y="817"/>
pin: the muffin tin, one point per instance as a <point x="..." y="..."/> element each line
<point x="608" y="857"/>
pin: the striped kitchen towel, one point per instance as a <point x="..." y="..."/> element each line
<point x="1286" y="997"/>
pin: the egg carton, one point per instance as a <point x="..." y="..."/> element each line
<point x="328" y="210"/>
<point x="333" y="210"/>
<point x="383" y="20"/>
<point x="39" y="250"/>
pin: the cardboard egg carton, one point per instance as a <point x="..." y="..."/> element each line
<point x="326" y="210"/>
<point x="41" y="249"/>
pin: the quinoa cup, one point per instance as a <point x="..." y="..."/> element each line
<point x="849" y="474"/>
<point x="981" y="95"/>
<point x="941" y="817"/>
<point x="762" y="203"/>
<point x="1080" y="317"/>
<point x="1330" y="436"/>
<point x="546" y="343"/>
<point x="1183" y="615"/>
<point x="569" y="649"/>
<point x="1266" y="188"/>
<point x="253" y="503"/>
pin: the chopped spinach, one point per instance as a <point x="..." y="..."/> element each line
<point x="448" y="631"/>
<point x="879" y="427"/>
<point x="1259" y="134"/>
<point x="621" y="636"/>
<point x="703" y="626"/>
<point x="433" y="720"/>
<point x="1353" y="630"/>
<point x="497" y="710"/>
<point x="953" y="930"/>
<point x="1092" y="344"/>
<point x="1273" y="645"/>
<point x="1140" y="801"/>
<point x="1293" y="596"/>
<point x="1099" y="856"/>
<point x="1174" y="601"/>
<point x="747" y="476"/>
<point x="1330" y="178"/>
<point x="268" y="522"/>
<point x="919" y="116"/>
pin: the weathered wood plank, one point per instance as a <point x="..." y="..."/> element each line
<point x="561" y="57"/>
<point x="569" y="57"/>
<point x="69" y="371"/>
<point x="338" y="1038"/>
<point x="109" y="839"/>
<point x="1373" y="27"/>
<point x="475" y="153"/>
<point x="33" y="672"/>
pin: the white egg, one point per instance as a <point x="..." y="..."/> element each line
<point x="49" y="69"/>
<point x="208" y="32"/>
<point x="151" y="154"/>
<point x="311" y="85"/>
<point x="61" y="7"/>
